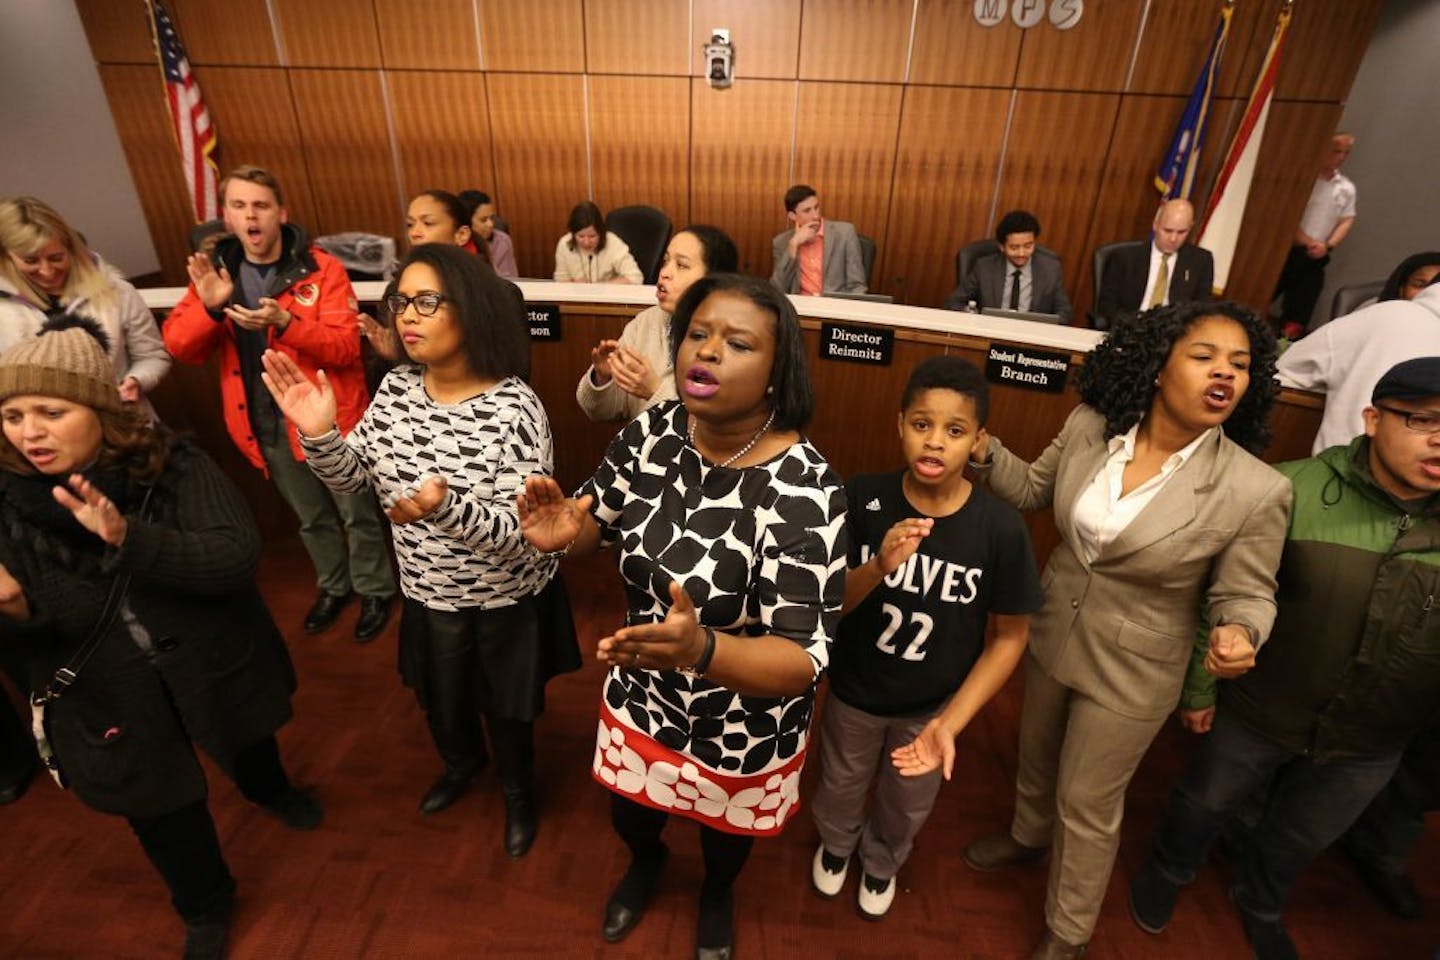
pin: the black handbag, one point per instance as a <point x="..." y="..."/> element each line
<point x="67" y="674"/>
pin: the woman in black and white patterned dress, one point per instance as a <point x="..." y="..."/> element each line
<point x="730" y="528"/>
<point x="448" y="439"/>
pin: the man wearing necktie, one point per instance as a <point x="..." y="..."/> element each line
<point x="1020" y="275"/>
<point x="1142" y="276"/>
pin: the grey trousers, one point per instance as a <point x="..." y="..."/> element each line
<point x="356" y="558"/>
<point x="854" y="752"/>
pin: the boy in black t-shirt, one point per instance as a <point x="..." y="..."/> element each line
<point x="931" y="558"/>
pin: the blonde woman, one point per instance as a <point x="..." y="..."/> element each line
<point x="47" y="270"/>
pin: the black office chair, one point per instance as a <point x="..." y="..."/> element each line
<point x="867" y="255"/>
<point x="1352" y="297"/>
<point x="202" y="232"/>
<point x="502" y="224"/>
<point x="646" y="231"/>
<point x="966" y="257"/>
<point x="1102" y="256"/>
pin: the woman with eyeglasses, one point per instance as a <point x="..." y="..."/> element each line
<point x="448" y="440"/>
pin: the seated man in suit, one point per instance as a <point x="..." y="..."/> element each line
<point x="1165" y="272"/>
<point x="1020" y="277"/>
<point x="816" y="256"/>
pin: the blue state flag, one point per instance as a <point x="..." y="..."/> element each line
<point x="1177" y="170"/>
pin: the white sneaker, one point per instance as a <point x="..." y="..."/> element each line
<point x="876" y="895"/>
<point x="827" y="872"/>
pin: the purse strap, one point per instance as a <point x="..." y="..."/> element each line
<point x="114" y="600"/>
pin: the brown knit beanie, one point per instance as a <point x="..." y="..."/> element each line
<point x="66" y="360"/>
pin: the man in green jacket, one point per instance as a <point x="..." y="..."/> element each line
<point x="1350" y="673"/>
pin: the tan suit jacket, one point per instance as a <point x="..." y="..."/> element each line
<point x="1121" y="630"/>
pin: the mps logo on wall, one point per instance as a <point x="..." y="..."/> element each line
<point x="1063" y="14"/>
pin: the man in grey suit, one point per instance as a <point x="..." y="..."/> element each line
<point x="816" y="256"/>
<point x="1018" y="276"/>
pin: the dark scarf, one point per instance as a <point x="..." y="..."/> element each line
<point x="32" y="519"/>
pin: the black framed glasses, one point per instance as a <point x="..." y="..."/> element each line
<point x="1421" y="421"/>
<point x="426" y="304"/>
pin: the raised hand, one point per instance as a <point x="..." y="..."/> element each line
<point x="933" y="749"/>
<point x="676" y="641"/>
<point x="12" y="597"/>
<point x="901" y="541"/>
<point x="130" y="391"/>
<point x="633" y="373"/>
<point x="95" y="511"/>
<point x="382" y="338"/>
<point x="549" y="519"/>
<point x="421" y="504"/>
<point x="1231" y="652"/>
<point x="804" y="235"/>
<point x="214" y="287"/>
<point x="310" y="406"/>
<point x="600" y="356"/>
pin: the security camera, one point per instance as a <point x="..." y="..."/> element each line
<point x="720" y="58"/>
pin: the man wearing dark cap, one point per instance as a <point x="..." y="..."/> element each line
<point x="1351" y="671"/>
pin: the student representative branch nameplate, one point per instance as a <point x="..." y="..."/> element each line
<point x="1027" y="369"/>
<point x="854" y="344"/>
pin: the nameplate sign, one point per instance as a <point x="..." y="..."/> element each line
<point x="1028" y="369"/>
<point x="839" y="341"/>
<point x="543" y="320"/>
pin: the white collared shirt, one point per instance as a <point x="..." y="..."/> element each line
<point x="1155" y="256"/>
<point x="1101" y="514"/>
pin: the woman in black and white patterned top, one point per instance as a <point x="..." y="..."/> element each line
<point x="730" y="528"/>
<point x="446" y="442"/>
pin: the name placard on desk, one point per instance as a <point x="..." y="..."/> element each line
<point x="543" y="319"/>
<point x="839" y="341"/>
<point x="1027" y="369"/>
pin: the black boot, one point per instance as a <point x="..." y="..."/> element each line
<point x="519" y="818"/>
<point x="514" y="743"/>
<point x="450" y="787"/>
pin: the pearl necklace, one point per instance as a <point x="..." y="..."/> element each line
<point x="743" y="450"/>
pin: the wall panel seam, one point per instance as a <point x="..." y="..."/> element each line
<point x="395" y="161"/>
<point x="1000" y="163"/>
<point x="1135" y="50"/>
<point x="276" y="35"/>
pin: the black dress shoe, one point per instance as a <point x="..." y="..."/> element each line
<point x="325" y="611"/>
<point x="297" y="809"/>
<point x="205" y="938"/>
<point x="15" y="787"/>
<point x="450" y="787"/>
<point x="638" y="885"/>
<point x="374" y="614"/>
<point x="519" y="820"/>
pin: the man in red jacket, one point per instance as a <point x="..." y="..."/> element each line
<point x="264" y="287"/>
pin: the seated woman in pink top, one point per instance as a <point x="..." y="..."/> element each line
<point x="482" y="226"/>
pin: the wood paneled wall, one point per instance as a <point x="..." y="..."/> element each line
<point x="912" y="120"/>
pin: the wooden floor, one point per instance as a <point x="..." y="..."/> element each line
<point x="379" y="881"/>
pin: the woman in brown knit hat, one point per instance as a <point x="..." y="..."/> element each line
<point x="127" y="565"/>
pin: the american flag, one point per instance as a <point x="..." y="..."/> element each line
<point x="193" y="130"/>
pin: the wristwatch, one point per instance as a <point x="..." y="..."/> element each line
<point x="698" y="668"/>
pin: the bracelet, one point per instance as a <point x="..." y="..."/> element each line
<point x="557" y="554"/>
<point x="700" y="666"/>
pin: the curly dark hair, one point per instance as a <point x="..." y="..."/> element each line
<point x="1118" y="378"/>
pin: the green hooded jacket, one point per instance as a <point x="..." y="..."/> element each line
<point x="1352" y="666"/>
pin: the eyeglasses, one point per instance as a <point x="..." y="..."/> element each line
<point x="1423" y="421"/>
<point x="426" y="304"/>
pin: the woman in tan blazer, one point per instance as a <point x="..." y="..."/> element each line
<point x="1161" y="509"/>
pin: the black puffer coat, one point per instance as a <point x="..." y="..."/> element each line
<point x="217" y="674"/>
